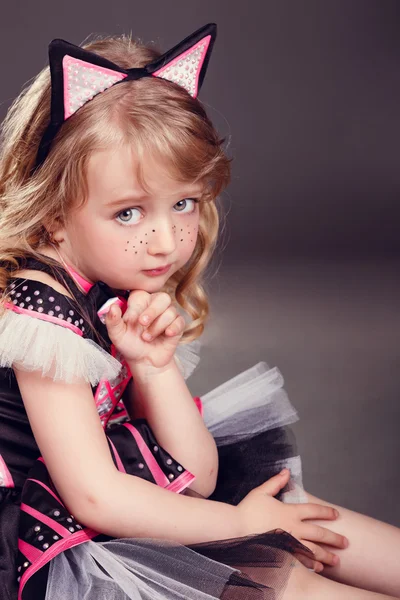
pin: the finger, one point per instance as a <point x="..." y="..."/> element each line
<point x="312" y="510"/>
<point x="159" y="302"/>
<point x="309" y="563"/>
<point x="272" y="486"/>
<point x="323" y="535"/>
<point x="176" y="328"/>
<point x="164" y="321"/>
<point x="114" y="323"/>
<point x="321" y="555"/>
<point x="138" y="301"/>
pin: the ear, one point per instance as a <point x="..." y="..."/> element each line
<point x="186" y="64"/>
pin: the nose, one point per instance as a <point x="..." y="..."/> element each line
<point x="161" y="238"/>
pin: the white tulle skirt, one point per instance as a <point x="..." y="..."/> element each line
<point x="249" y="415"/>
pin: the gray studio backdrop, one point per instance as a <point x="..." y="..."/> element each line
<point x="307" y="95"/>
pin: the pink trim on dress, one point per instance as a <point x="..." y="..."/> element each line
<point x="156" y="471"/>
<point x="181" y="482"/>
<point x="118" y="460"/>
<point x="43" y="317"/>
<point x="29" y="551"/>
<point x="5" y="475"/>
<point x="64" y="544"/>
<point x="58" y="528"/>
<point x="81" y="281"/>
<point x="43" y="485"/>
<point x="199" y="404"/>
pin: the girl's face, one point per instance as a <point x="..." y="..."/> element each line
<point x="120" y="231"/>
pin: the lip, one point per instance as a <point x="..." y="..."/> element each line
<point x="159" y="271"/>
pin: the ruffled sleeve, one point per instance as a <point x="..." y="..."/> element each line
<point x="41" y="330"/>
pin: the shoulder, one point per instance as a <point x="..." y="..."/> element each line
<point x="37" y="294"/>
<point x="42" y="277"/>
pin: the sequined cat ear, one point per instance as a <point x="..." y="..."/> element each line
<point x="186" y="64"/>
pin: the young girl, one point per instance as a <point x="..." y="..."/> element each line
<point x="115" y="482"/>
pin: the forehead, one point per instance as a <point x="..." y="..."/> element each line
<point x="119" y="172"/>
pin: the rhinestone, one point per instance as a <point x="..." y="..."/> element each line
<point x="27" y="298"/>
<point x="19" y="579"/>
<point x="45" y="546"/>
<point x="26" y="564"/>
<point x="24" y="288"/>
<point x="57" y="307"/>
<point x="56" y="513"/>
<point x="141" y="466"/>
<point x="37" y="528"/>
<point x="71" y="312"/>
<point x="15" y="301"/>
<point x="18" y="295"/>
<point x="78" y="527"/>
<point x="12" y="292"/>
<point x="40" y="309"/>
<point x="51" y="298"/>
<point x="169" y="461"/>
<point x="51" y="313"/>
<point x="30" y="307"/>
<point x="179" y="468"/>
<point x="155" y="448"/>
<point x="55" y="537"/>
<point x="69" y="520"/>
<point x="40" y="538"/>
<point x="22" y="304"/>
<point x="71" y="529"/>
<point x="69" y="319"/>
<point x="19" y="569"/>
<point x="12" y="285"/>
<point x="171" y="475"/>
<point x="76" y="322"/>
<point x="39" y="301"/>
<point x="81" y="321"/>
<point x="36" y="292"/>
<point x="60" y="316"/>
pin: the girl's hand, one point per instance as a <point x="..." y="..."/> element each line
<point x="260" y="512"/>
<point x="127" y="332"/>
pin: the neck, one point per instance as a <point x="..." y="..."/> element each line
<point x="54" y="253"/>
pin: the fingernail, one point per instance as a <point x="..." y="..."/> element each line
<point x="283" y="472"/>
<point x="335" y="560"/>
<point x="147" y="336"/>
<point x="346" y="543"/>
<point x="145" y="319"/>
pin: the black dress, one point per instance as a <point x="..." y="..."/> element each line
<point x="45" y="553"/>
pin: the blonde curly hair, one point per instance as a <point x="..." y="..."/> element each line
<point x="154" y="116"/>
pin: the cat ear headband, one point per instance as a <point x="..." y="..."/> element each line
<point x="78" y="75"/>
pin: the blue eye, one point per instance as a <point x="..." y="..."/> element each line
<point x="195" y="200"/>
<point x="125" y="216"/>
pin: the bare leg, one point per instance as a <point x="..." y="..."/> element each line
<point x="371" y="560"/>
<point x="304" y="584"/>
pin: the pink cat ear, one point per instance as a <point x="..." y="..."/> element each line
<point x="186" y="63"/>
<point x="185" y="69"/>
<point x="83" y="80"/>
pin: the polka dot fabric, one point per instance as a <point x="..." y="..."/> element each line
<point x="36" y="297"/>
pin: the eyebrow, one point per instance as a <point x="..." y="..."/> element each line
<point x="138" y="199"/>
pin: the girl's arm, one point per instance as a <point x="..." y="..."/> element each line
<point x="73" y="444"/>
<point x="164" y="400"/>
